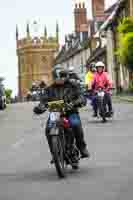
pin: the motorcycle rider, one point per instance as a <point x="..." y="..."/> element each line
<point x="43" y="98"/>
<point x="88" y="82"/>
<point x="73" y="99"/>
<point x="102" y="80"/>
<point x="34" y="87"/>
<point x="43" y="92"/>
<point x="90" y="75"/>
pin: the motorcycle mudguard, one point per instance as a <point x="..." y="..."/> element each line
<point x="54" y="131"/>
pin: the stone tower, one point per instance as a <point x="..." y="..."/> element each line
<point x="35" y="58"/>
<point x="81" y="22"/>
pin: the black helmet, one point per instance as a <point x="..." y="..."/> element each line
<point x="42" y="84"/>
<point x="63" y="74"/>
<point x="92" y="67"/>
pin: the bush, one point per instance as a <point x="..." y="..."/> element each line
<point x="126" y="25"/>
<point x="8" y="93"/>
<point x="125" y="52"/>
<point x="131" y="86"/>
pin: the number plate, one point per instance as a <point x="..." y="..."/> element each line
<point x="101" y="94"/>
<point x="54" y="116"/>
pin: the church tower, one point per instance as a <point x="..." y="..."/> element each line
<point x="35" y="58"/>
<point x="81" y="22"/>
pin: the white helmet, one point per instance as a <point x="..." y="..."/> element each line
<point x="71" y="69"/>
<point x="100" y="64"/>
<point x="33" y="84"/>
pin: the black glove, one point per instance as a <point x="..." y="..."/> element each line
<point x="80" y="102"/>
<point x="38" y="110"/>
<point x="69" y="106"/>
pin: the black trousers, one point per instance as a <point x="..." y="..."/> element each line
<point x="107" y="101"/>
<point x="79" y="136"/>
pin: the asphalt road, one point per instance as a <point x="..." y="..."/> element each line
<point x="25" y="171"/>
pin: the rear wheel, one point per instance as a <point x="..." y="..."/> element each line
<point x="58" y="156"/>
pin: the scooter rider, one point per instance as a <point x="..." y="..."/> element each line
<point x="102" y="80"/>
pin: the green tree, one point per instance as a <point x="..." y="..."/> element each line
<point x="125" y="50"/>
<point x="126" y="25"/>
<point x="8" y="93"/>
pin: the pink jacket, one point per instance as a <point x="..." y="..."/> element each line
<point x="101" y="80"/>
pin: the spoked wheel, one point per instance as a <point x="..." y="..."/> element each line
<point x="58" y="156"/>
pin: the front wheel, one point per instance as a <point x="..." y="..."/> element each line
<point x="102" y="110"/>
<point x="58" y="156"/>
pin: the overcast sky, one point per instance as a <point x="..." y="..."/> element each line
<point x="14" y="12"/>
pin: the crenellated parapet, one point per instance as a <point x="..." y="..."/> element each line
<point x="37" y="42"/>
<point x="32" y="42"/>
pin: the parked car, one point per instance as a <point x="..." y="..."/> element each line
<point x="2" y="98"/>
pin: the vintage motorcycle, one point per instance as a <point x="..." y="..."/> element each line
<point x="62" y="143"/>
<point x="102" y="105"/>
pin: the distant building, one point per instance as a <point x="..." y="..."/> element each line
<point x="35" y="58"/>
<point x="74" y="53"/>
<point x="76" y="49"/>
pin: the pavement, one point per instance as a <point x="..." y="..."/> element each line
<point x="25" y="171"/>
<point x="125" y="98"/>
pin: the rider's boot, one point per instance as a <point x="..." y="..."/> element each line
<point x="84" y="153"/>
<point x="94" y="114"/>
<point x="111" y="113"/>
<point x="52" y="161"/>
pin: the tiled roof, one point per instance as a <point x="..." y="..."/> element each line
<point x="111" y="8"/>
<point x="72" y="50"/>
<point x="96" y="53"/>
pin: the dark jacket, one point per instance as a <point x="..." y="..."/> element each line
<point x="69" y="91"/>
<point x="73" y="94"/>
